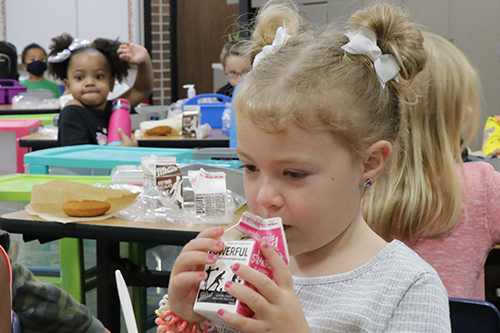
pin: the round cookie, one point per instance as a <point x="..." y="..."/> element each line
<point x="85" y="208"/>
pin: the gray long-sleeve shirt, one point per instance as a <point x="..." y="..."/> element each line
<point x="396" y="291"/>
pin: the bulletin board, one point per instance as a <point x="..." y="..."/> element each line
<point x="23" y="22"/>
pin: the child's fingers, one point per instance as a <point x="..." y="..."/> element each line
<point x="126" y="141"/>
<point x="269" y="289"/>
<point x="253" y="299"/>
<point x="122" y="134"/>
<point x="189" y="278"/>
<point x="188" y="259"/>
<point x="281" y="273"/>
<point x="239" y="322"/>
<point x="196" y="253"/>
<point x="213" y="232"/>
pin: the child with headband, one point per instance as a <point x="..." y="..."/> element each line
<point x="316" y="119"/>
<point x="445" y="210"/>
<point x="89" y="71"/>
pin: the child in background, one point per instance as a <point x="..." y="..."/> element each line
<point x="89" y="72"/>
<point x="234" y="65"/>
<point x="315" y="122"/>
<point x="445" y="210"/>
<point x="34" y="60"/>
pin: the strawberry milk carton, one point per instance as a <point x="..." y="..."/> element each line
<point x="242" y="242"/>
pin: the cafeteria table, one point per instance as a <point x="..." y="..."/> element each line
<point x="108" y="235"/>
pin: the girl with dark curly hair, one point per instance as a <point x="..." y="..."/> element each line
<point x="89" y="71"/>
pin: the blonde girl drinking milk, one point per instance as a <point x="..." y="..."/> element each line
<point x="316" y="120"/>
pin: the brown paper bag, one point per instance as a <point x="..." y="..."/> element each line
<point x="47" y="200"/>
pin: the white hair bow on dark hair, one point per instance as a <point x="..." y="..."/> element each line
<point x="66" y="53"/>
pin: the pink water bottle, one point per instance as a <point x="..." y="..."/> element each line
<point x="120" y="118"/>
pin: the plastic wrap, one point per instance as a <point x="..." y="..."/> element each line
<point x="32" y="101"/>
<point x="203" y="131"/>
<point x="48" y="130"/>
<point x="154" y="205"/>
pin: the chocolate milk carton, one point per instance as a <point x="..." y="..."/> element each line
<point x="164" y="173"/>
<point x="191" y="119"/>
<point x="242" y="246"/>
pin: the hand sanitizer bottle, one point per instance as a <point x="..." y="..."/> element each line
<point x="191" y="91"/>
<point x="120" y="118"/>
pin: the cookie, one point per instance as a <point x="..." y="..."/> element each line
<point x="85" y="208"/>
<point x="159" y="130"/>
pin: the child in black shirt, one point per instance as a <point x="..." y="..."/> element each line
<point x="89" y="71"/>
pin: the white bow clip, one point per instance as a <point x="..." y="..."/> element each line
<point x="279" y="41"/>
<point x="66" y="53"/>
<point x="364" y="41"/>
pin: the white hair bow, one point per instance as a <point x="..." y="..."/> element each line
<point x="66" y="53"/>
<point x="279" y="41"/>
<point x="364" y="41"/>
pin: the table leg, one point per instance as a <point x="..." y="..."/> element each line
<point x="108" y="303"/>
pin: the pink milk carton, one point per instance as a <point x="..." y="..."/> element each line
<point x="242" y="246"/>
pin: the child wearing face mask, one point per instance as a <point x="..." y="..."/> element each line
<point x="34" y="60"/>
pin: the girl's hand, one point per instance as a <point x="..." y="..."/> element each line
<point x="133" y="53"/>
<point x="126" y="141"/>
<point x="189" y="270"/>
<point x="275" y="303"/>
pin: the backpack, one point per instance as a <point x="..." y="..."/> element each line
<point x="8" y="61"/>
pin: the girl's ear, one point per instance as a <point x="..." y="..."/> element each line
<point x="66" y="85"/>
<point x="375" y="159"/>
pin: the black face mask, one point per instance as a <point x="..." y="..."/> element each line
<point x="37" y="67"/>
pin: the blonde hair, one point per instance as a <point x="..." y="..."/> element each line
<point x="313" y="83"/>
<point x="420" y="196"/>
<point x="233" y="47"/>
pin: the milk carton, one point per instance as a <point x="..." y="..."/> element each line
<point x="242" y="243"/>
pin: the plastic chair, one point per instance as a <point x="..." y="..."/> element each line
<point x="471" y="315"/>
<point x="16" y="324"/>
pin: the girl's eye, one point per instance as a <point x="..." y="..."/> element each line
<point x="295" y="174"/>
<point x="78" y="77"/>
<point x="99" y="76"/>
<point x="249" y="168"/>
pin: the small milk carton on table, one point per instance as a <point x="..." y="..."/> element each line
<point x="242" y="243"/>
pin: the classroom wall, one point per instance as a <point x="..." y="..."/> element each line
<point x="29" y="21"/>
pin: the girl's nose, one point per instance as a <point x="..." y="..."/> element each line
<point x="89" y="82"/>
<point x="269" y="195"/>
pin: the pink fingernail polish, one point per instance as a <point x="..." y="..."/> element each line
<point x="228" y="284"/>
<point x="217" y="244"/>
<point x="202" y="274"/>
<point x="211" y="256"/>
<point x="236" y="267"/>
<point x="220" y="312"/>
<point x="266" y="245"/>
